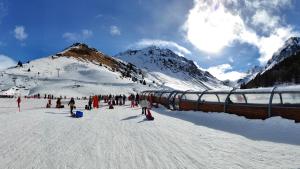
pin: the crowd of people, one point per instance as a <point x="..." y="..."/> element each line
<point x="112" y="100"/>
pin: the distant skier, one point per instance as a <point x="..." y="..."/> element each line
<point x="132" y="98"/>
<point x="19" y="102"/>
<point x="58" y="103"/>
<point x="95" y="102"/>
<point x="124" y="99"/>
<point x="48" y="104"/>
<point x="90" y="103"/>
<point x="137" y="99"/>
<point x="72" y="106"/>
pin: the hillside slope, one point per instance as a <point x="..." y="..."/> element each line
<point x="282" y="68"/>
<point x="171" y="70"/>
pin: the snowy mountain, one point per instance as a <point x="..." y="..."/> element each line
<point x="168" y="69"/>
<point x="282" y="68"/>
<point x="291" y="47"/>
<point x="76" y="71"/>
<point x="82" y="71"/>
<point x="250" y="74"/>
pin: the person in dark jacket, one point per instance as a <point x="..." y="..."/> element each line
<point x="90" y="103"/>
<point x="124" y="99"/>
<point x="72" y="106"/>
<point x="137" y="99"/>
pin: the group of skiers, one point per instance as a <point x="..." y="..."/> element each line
<point x="145" y="103"/>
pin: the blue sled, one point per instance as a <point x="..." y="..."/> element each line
<point x="78" y="114"/>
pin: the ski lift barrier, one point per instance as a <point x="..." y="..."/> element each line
<point x="260" y="103"/>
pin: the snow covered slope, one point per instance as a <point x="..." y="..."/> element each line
<point x="251" y="74"/>
<point x="282" y="68"/>
<point x="76" y="78"/>
<point x="291" y="47"/>
<point x="121" y="138"/>
<point x="82" y="71"/>
<point x="171" y="70"/>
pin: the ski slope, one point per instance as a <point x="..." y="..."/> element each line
<point x="74" y="79"/>
<point x="120" y="138"/>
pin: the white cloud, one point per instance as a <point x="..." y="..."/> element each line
<point x="265" y="20"/>
<point x="84" y="34"/>
<point x="223" y="72"/>
<point x="87" y="33"/>
<point x="180" y="50"/>
<point x="3" y="11"/>
<point x="114" y="30"/>
<point x="6" y="62"/>
<point x="20" y="33"/>
<point x="216" y="24"/>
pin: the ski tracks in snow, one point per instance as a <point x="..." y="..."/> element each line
<point x="122" y="138"/>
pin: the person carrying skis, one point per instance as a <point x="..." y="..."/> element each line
<point x="72" y="106"/>
<point x="19" y="102"/>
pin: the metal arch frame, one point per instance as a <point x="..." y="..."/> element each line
<point x="270" y="102"/>
<point x="269" y="93"/>
<point x="173" y="92"/>
<point x="245" y="98"/>
<point x="199" y="98"/>
<point x="227" y="97"/>
<point x="163" y="92"/>
<point x="180" y="98"/>
<point x="217" y="97"/>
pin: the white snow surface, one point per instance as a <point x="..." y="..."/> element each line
<point x="76" y="79"/>
<point x="121" y="138"/>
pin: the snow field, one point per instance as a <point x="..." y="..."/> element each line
<point x="121" y="138"/>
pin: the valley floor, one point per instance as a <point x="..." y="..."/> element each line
<point x="121" y="138"/>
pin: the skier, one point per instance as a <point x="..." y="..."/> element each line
<point x="72" y="106"/>
<point x="58" y="103"/>
<point x="144" y="104"/>
<point x="19" y="101"/>
<point x="124" y="99"/>
<point x="90" y="103"/>
<point x="95" y="102"/>
<point x="137" y="99"/>
<point x="48" y="104"/>
<point x="132" y="100"/>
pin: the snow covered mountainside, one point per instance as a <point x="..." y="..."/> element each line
<point x="250" y="74"/>
<point x="291" y="47"/>
<point x="82" y="71"/>
<point x="282" y="68"/>
<point x="77" y="71"/>
<point x="170" y="70"/>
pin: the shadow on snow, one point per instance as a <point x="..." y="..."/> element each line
<point x="276" y="129"/>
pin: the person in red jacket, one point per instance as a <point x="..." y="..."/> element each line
<point x="95" y="102"/>
<point x="19" y="101"/>
<point x="149" y="115"/>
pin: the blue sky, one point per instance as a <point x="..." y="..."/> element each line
<point x="226" y="37"/>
